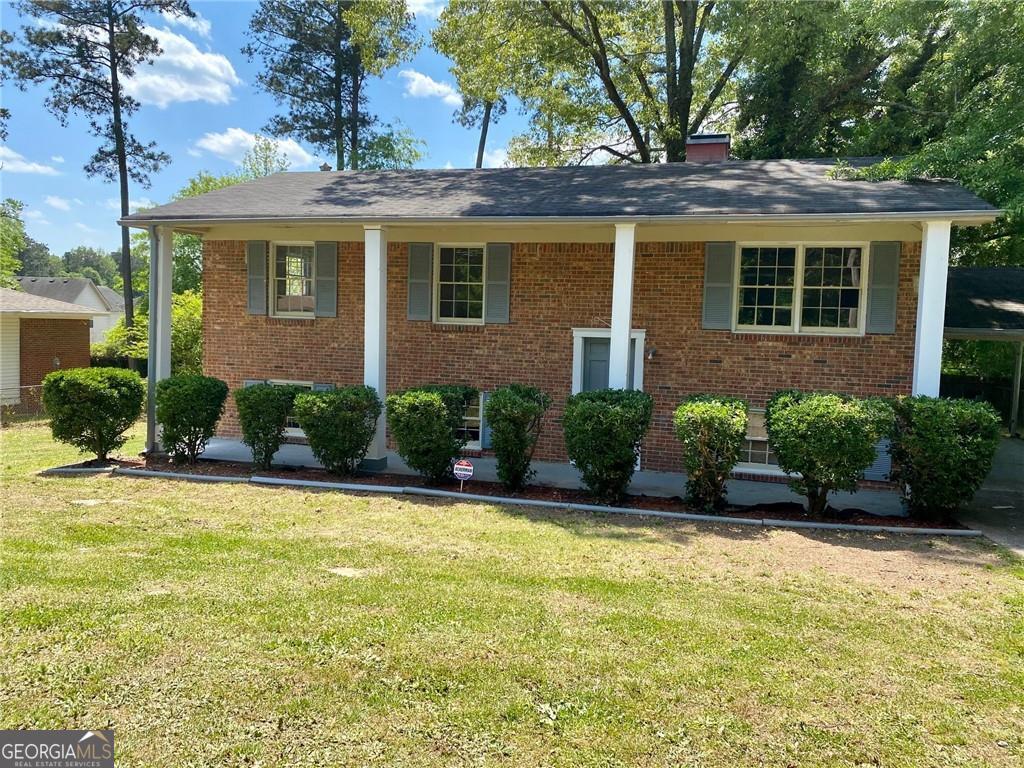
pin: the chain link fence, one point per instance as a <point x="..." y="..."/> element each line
<point x="21" y="404"/>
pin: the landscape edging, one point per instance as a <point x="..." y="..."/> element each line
<point x="572" y="506"/>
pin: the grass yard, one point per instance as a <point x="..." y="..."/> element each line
<point x="234" y="625"/>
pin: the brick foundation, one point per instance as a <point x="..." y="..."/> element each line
<point x="555" y="287"/>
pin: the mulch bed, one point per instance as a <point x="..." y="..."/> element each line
<point x="777" y="511"/>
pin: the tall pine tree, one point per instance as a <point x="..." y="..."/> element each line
<point x="85" y="50"/>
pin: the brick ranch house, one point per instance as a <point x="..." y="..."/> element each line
<point x="737" y="278"/>
<point x="38" y="335"/>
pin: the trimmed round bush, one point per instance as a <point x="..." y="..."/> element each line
<point x="425" y="423"/>
<point x="603" y="431"/>
<point x="339" y="425"/>
<point x="188" y="408"/>
<point x="711" y="430"/>
<point x="263" y="412"/>
<point x="942" y="451"/>
<point x="514" y="414"/>
<point x="826" y="441"/>
<point x="92" y="408"/>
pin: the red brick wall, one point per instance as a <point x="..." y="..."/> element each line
<point x="43" y="341"/>
<point x="239" y="346"/>
<point x="555" y="287"/>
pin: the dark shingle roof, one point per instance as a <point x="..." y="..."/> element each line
<point x="58" y="288"/>
<point x="988" y="299"/>
<point x="755" y="188"/>
<point x="114" y="299"/>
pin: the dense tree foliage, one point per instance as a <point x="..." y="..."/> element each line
<point x="317" y="56"/>
<point x="12" y="240"/>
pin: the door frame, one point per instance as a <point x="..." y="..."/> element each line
<point x="639" y="336"/>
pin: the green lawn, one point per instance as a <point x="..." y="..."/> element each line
<point x="234" y="625"/>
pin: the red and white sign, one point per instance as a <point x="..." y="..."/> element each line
<point x="463" y="469"/>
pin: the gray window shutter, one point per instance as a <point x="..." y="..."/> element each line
<point x="256" y="264"/>
<point x="323" y="387"/>
<point x="485" y="428"/>
<point x="882" y="465"/>
<point x="326" y="271"/>
<point x="719" y="273"/>
<point x="421" y="279"/>
<point x="496" y="291"/>
<point x="883" y="282"/>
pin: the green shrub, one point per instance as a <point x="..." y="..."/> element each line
<point x="339" y="425"/>
<point x="92" y="408"/>
<point x="603" y="431"/>
<point x="942" y="452"/>
<point x="262" y="412"/>
<point x="712" y="430"/>
<point x="514" y="414"/>
<point x="188" y="408"/>
<point x="426" y="424"/>
<point x="825" y="440"/>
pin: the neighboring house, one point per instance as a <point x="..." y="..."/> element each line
<point x="737" y="278"/>
<point x="38" y="335"/>
<point x="84" y="292"/>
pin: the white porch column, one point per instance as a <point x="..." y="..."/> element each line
<point x="161" y="260"/>
<point x="375" y="327"/>
<point x="931" y="307"/>
<point x="622" y="306"/>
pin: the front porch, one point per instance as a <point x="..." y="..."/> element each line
<point x="562" y="475"/>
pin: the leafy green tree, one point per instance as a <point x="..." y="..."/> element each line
<point x="84" y="50"/>
<point x="317" y="56"/>
<point x="186" y="336"/>
<point x="616" y="79"/>
<point x="99" y="266"/>
<point x="12" y="240"/>
<point x="36" y="260"/>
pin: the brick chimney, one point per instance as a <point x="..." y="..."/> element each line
<point x="707" y="147"/>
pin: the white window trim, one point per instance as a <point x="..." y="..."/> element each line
<point x="579" y="334"/>
<point x="292" y="431"/>
<point x="477" y="445"/>
<point x="436" y="285"/>
<point x="796" y="329"/>
<point x="272" y="282"/>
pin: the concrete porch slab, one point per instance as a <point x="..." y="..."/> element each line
<point x="559" y="475"/>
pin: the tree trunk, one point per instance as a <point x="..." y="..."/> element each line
<point x="353" y="149"/>
<point x="122" y="177"/>
<point x="484" y="124"/>
<point x="817" y="501"/>
<point x="680" y="108"/>
<point x="675" y="143"/>
<point x="339" y="96"/>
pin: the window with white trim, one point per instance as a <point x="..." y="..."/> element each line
<point x="471" y="422"/>
<point x="756" y="450"/>
<point x="291" y="426"/>
<point x="292" y="279"/>
<point x="813" y="288"/>
<point x="460" y="283"/>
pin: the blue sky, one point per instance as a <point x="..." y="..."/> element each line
<point x="201" y="105"/>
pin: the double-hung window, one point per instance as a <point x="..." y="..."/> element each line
<point x="801" y="288"/>
<point x="471" y="423"/>
<point x="292" y="279"/>
<point x="460" y="284"/>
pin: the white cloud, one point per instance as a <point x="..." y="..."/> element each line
<point x="86" y="228"/>
<point x="35" y="217"/>
<point x="182" y="73"/>
<point x="448" y="165"/>
<point x="421" y="86"/>
<point x="57" y="159"/>
<point x="430" y="9"/>
<point x="197" y="23"/>
<point x="496" y="158"/>
<point x="60" y="203"/>
<point x="13" y="162"/>
<point x="114" y="204"/>
<point x="233" y="143"/>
